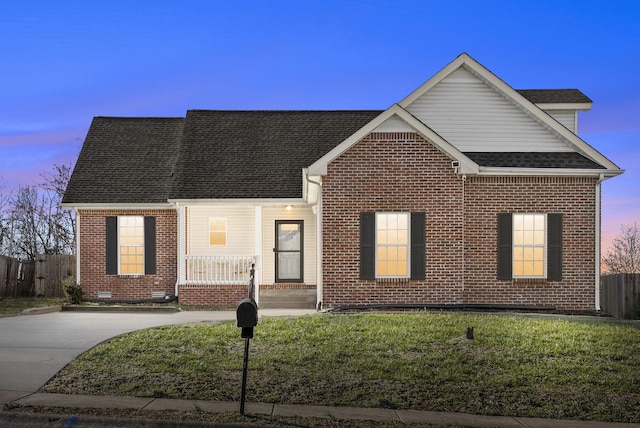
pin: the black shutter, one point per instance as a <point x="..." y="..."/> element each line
<point x="367" y="245"/>
<point x="554" y="251"/>
<point x="111" y="250"/>
<point x="149" y="245"/>
<point x="505" y="250"/>
<point x="417" y="245"/>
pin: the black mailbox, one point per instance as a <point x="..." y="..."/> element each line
<point x="247" y="316"/>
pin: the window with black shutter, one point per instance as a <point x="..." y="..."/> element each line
<point x="392" y="245"/>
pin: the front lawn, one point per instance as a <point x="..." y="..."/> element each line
<point x="520" y="366"/>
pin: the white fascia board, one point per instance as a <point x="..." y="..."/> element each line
<point x="467" y="166"/>
<point x="498" y="84"/>
<point x="115" y="206"/>
<point x="244" y="202"/>
<point x="547" y="172"/>
<point x="565" y="106"/>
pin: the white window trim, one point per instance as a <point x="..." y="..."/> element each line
<point x="544" y="246"/>
<point x="407" y="245"/>
<point x="120" y="273"/>
<point x="226" y="232"/>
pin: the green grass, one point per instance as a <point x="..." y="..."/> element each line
<point x="518" y="366"/>
<point x="11" y="306"/>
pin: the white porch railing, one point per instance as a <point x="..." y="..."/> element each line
<point x="221" y="270"/>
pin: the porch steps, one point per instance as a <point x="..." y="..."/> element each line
<point x="288" y="299"/>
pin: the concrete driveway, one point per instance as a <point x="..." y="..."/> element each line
<point x="33" y="348"/>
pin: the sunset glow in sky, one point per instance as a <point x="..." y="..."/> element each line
<point x="61" y="63"/>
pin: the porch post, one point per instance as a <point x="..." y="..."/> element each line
<point x="181" y="246"/>
<point x="258" y="251"/>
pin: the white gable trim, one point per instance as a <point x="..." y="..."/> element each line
<point x="467" y="166"/>
<point x="464" y="60"/>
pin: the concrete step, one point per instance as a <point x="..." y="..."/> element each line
<point x="288" y="299"/>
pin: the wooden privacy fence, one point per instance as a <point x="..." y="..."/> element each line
<point x="40" y="277"/>
<point x="619" y="295"/>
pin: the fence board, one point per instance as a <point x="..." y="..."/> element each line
<point x="619" y="294"/>
<point x="50" y="271"/>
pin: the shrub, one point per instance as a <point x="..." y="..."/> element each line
<point x="72" y="290"/>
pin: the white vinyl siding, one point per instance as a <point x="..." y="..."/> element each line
<point x="269" y="217"/>
<point x="473" y="117"/>
<point x="240" y="231"/>
<point x="566" y="117"/>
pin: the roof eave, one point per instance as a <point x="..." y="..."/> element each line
<point x="116" y="205"/>
<point x="239" y="201"/>
<point x="547" y="172"/>
<point x="565" y="106"/>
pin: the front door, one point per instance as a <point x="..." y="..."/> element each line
<point x="289" y="250"/>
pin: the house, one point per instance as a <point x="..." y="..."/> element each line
<point x="467" y="191"/>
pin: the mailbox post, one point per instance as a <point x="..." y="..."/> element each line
<point x="247" y="319"/>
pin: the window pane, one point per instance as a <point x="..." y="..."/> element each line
<point x="518" y="237"/>
<point x="289" y="266"/>
<point x="538" y="268"/>
<point x="382" y="237"/>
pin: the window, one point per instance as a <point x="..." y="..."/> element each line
<point x="529" y="246"/>
<point x="217" y="231"/>
<point x="130" y="245"/>
<point x="392" y="245"/>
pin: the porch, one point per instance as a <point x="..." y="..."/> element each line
<point x="224" y="280"/>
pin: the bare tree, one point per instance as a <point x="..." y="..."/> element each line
<point x="61" y="221"/>
<point x="624" y="254"/>
<point x="33" y="222"/>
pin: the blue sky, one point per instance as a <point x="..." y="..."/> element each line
<point x="61" y="63"/>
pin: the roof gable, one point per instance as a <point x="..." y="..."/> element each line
<point x="396" y="115"/>
<point x="540" y="121"/>
<point x="125" y="160"/>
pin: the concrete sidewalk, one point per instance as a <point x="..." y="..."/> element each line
<point x="344" y="413"/>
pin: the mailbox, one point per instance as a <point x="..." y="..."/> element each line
<point x="247" y="316"/>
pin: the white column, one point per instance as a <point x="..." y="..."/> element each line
<point x="181" y="246"/>
<point x="258" y="251"/>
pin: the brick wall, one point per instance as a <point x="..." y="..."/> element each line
<point x="403" y="172"/>
<point x="221" y="296"/>
<point x="92" y="257"/>
<point x="574" y="197"/>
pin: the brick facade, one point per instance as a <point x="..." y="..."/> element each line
<point x="220" y="296"/>
<point x="402" y="172"/>
<point x="129" y="288"/>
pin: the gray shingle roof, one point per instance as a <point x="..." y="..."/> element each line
<point x="256" y="154"/>
<point x="231" y="154"/>
<point x="554" y="96"/>
<point x="533" y="160"/>
<point x="125" y="160"/>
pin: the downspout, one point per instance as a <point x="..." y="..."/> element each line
<point x="598" y="238"/>
<point x="464" y="180"/>
<point x="318" y="213"/>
